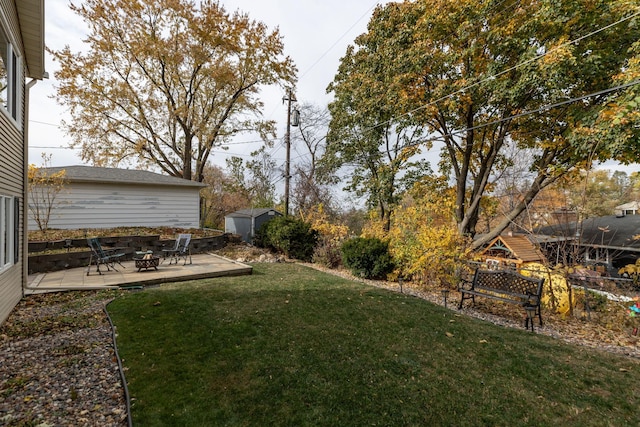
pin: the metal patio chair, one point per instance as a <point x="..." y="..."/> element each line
<point x="180" y="250"/>
<point x="100" y="256"/>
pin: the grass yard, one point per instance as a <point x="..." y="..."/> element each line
<point x="293" y="346"/>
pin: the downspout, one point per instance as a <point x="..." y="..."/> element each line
<point x="25" y="192"/>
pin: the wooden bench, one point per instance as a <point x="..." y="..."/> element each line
<point x="507" y="286"/>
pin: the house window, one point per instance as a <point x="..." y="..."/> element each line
<point x="7" y="232"/>
<point x="9" y="78"/>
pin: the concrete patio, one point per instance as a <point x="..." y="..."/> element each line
<point x="203" y="266"/>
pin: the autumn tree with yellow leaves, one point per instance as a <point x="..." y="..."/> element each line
<point x="423" y="238"/>
<point x="44" y="188"/>
<point x="164" y="82"/>
<point x="331" y="235"/>
<point x="481" y="78"/>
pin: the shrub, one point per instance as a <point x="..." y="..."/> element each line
<point x="327" y="253"/>
<point x="423" y="239"/>
<point x="330" y="236"/>
<point x="367" y="257"/>
<point x="288" y="235"/>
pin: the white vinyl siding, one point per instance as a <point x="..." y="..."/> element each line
<point x="12" y="279"/>
<point x="17" y="36"/>
<point x="10" y="290"/>
<point x="102" y="205"/>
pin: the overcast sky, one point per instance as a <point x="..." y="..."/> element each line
<point x="316" y="34"/>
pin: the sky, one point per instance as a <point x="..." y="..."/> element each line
<point x="316" y="34"/>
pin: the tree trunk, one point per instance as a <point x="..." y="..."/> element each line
<point x="188" y="148"/>
<point x="538" y="185"/>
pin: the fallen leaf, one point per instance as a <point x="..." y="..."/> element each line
<point x="483" y="341"/>
<point x="449" y="334"/>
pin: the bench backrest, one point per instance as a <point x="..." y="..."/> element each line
<point x="96" y="247"/>
<point x="508" y="281"/>
<point x="182" y="243"/>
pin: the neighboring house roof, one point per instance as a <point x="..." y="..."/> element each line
<point x="629" y="206"/>
<point x="31" y="17"/>
<point x="611" y="231"/>
<point x="121" y="176"/>
<point x="517" y="247"/>
<point x="249" y="213"/>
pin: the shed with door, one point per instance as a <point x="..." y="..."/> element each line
<point x="246" y="222"/>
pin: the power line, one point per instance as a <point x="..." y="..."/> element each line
<point x="326" y="52"/>
<point x="44" y="123"/>
<point x="494" y="76"/>
<point x="53" y="148"/>
<point x="541" y="109"/>
<point x="338" y="41"/>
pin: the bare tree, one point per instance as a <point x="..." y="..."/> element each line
<point x="310" y="188"/>
<point x="164" y="82"/>
<point x="44" y="186"/>
<point x="220" y="197"/>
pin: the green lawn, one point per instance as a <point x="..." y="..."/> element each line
<point x="293" y="346"/>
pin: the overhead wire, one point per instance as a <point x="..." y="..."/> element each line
<point x="494" y="76"/>
<point x="495" y="6"/>
<point x="277" y="146"/>
<point x="330" y="48"/>
<point x="442" y="137"/>
<point x="541" y="109"/>
<point x="339" y="39"/>
<point x="44" y="123"/>
<point x="503" y="72"/>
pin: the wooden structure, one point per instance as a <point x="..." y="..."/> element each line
<point x="510" y="251"/>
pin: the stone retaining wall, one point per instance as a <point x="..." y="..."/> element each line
<point x="127" y="244"/>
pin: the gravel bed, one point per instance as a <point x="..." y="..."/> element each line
<point x="58" y="366"/>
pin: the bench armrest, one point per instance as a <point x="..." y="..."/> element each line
<point x="533" y="300"/>
<point x="465" y="284"/>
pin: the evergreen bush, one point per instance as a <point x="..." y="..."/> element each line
<point x="288" y="235"/>
<point x="367" y="257"/>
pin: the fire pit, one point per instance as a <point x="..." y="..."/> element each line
<point x="147" y="263"/>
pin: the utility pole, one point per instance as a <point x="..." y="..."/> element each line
<point x="289" y="97"/>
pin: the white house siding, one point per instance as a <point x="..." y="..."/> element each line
<point x="10" y="289"/>
<point x="11" y="185"/>
<point x="12" y="25"/>
<point x="103" y="205"/>
<point x="11" y="174"/>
